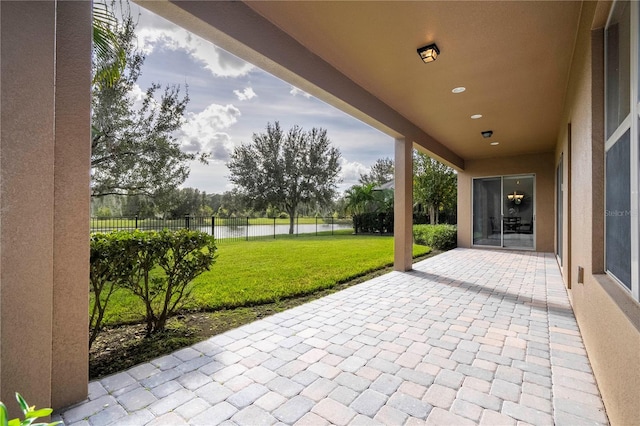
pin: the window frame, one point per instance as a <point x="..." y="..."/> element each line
<point x="559" y="216"/>
<point x="630" y="123"/>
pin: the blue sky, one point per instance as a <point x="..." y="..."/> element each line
<point x="231" y="100"/>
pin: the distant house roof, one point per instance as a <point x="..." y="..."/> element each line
<point x="389" y="185"/>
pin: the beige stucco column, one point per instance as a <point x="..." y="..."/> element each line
<point x="44" y="200"/>
<point x="403" y="206"/>
<point x="72" y="154"/>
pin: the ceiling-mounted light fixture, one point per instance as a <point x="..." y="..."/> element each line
<point x="515" y="197"/>
<point x="429" y="53"/>
<point x="487" y="133"/>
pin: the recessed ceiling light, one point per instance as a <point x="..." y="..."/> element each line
<point x="458" y="89"/>
<point x="494" y="143"/>
<point x="476" y="116"/>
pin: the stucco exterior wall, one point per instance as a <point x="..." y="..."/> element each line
<point x="609" y="319"/>
<point x="539" y="164"/>
<point x="26" y="197"/>
<point x="44" y="201"/>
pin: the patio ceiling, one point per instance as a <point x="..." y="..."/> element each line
<point x="513" y="58"/>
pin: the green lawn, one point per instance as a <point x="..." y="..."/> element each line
<point x="253" y="272"/>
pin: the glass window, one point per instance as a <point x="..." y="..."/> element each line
<point x="618" y="210"/>
<point x="559" y="210"/>
<point x="622" y="157"/>
<point x="618" y="61"/>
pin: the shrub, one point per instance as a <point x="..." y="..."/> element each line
<point x="155" y="266"/>
<point x="183" y="256"/>
<point x="440" y="237"/>
<point x="380" y="222"/>
<point x="109" y="266"/>
<point x="180" y="255"/>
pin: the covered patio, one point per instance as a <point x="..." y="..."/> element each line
<point x="556" y="85"/>
<point x="466" y="337"/>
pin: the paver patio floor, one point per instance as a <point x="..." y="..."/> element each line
<point x="467" y="337"/>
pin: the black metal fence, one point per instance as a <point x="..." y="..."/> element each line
<point x="382" y="222"/>
<point x="235" y="228"/>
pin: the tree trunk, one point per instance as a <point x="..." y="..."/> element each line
<point x="150" y="319"/>
<point x="292" y="218"/>
<point x="432" y="215"/>
<point x="161" y="321"/>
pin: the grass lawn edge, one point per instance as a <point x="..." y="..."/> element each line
<point x="121" y="347"/>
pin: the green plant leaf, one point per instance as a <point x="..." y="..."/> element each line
<point x="4" y="421"/>
<point x="43" y="412"/>
<point x="14" y="422"/>
<point x="23" y="404"/>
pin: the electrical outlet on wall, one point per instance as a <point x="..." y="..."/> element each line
<point x="580" y="275"/>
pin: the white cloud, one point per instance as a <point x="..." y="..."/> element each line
<point x="246" y="94"/>
<point x="205" y="131"/>
<point x="350" y="172"/>
<point x="217" y="61"/>
<point x="211" y="177"/>
<point x="295" y="92"/>
<point x="136" y="95"/>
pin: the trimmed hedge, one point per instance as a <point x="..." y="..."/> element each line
<point x="371" y="223"/>
<point x="158" y="267"/>
<point x="440" y="237"/>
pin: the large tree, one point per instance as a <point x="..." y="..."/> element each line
<point x="380" y="173"/>
<point x="184" y="201"/>
<point x="434" y="185"/>
<point x="133" y="148"/>
<point x="286" y="169"/>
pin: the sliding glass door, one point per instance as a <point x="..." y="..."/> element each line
<point x="487" y="212"/>
<point x="504" y="211"/>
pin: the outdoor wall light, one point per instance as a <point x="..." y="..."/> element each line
<point x="487" y="133"/>
<point x="429" y="53"/>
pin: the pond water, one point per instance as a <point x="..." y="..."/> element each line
<point x="251" y="231"/>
